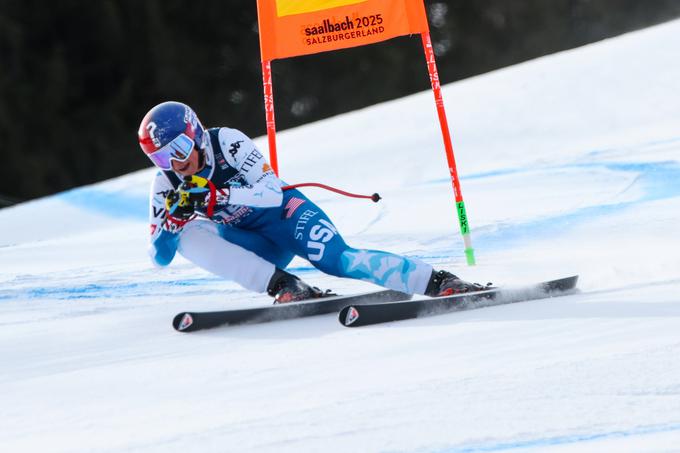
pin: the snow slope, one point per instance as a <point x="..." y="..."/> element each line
<point x="569" y="164"/>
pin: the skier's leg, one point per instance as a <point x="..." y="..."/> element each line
<point x="283" y="286"/>
<point x="310" y="234"/>
<point x="392" y="271"/>
<point x="400" y="273"/>
<point x="258" y="244"/>
<point x="200" y="242"/>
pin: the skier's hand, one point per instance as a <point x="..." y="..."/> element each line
<point x="194" y="192"/>
<point x="182" y="203"/>
<point x="179" y="206"/>
<point x="200" y="187"/>
<point x="179" y="213"/>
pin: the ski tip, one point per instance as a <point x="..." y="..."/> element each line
<point x="562" y="284"/>
<point x="348" y="315"/>
<point x="182" y="322"/>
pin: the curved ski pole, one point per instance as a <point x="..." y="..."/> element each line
<point x="375" y="197"/>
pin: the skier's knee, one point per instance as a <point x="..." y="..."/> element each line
<point x="191" y="234"/>
<point x="327" y="261"/>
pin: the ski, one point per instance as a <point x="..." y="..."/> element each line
<point x="368" y="314"/>
<point x="192" y="321"/>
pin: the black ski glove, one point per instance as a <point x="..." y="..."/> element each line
<point x="182" y="203"/>
<point x="178" y="206"/>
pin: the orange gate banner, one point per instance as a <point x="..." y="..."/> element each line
<point x="300" y="27"/>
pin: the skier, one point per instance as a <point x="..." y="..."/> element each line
<point x="218" y="202"/>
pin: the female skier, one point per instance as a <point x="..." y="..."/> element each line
<point x="218" y="202"/>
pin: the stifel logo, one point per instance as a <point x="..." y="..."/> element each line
<point x="290" y="7"/>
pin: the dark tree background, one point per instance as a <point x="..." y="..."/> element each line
<point x="76" y="77"/>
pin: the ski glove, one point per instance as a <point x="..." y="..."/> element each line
<point x="179" y="212"/>
<point x="195" y="192"/>
<point x="181" y="204"/>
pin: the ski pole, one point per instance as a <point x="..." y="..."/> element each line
<point x="375" y="197"/>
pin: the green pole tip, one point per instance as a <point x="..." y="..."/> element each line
<point x="470" y="256"/>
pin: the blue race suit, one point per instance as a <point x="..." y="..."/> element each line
<point x="265" y="226"/>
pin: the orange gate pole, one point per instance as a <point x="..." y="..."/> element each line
<point x="267" y="84"/>
<point x="446" y="135"/>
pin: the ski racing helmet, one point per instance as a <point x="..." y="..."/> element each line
<point x="169" y="132"/>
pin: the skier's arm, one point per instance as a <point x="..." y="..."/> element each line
<point x="164" y="235"/>
<point x="263" y="189"/>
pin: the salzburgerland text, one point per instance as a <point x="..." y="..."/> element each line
<point x="347" y="29"/>
<point x="342" y="36"/>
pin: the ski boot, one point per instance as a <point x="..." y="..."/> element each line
<point x="444" y="283"/>
<point x="285" y="287"/>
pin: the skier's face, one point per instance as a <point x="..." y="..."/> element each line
<point x="188" y="167"/>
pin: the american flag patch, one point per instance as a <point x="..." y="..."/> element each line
<point x="292" y="206"/>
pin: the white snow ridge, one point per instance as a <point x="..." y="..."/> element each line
<point x="570" y="164"/>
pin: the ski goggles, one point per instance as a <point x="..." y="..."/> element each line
<point x="178" y="149"/>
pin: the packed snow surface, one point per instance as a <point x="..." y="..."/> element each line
<point x="570" y="164"/>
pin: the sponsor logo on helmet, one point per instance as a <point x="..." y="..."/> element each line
<point x="186" y="321"/>
<point x="151" y="127"/>
<point x="352" y="316"/>
<point x="190" y="117"/>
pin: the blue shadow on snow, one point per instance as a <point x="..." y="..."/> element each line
<point x="659" y="180"/>
<point x="562" y="440"/>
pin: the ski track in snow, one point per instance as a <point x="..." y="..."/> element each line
<point x="570" y="164"/>
<point x="565" y="440"/>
